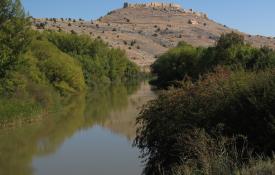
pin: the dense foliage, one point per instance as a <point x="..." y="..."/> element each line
<point x="236" y="103"/>
<point x="219" y="114"/>
<point x="230" y="50"/>
<point x="60" y="70"/>
<point x="39" y="69"/>
<point x="100" y="63"/>
<point x="14" y="35"/>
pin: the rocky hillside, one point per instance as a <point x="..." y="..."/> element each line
<point x="146" y="32"/>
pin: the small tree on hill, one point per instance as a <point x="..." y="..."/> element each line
<point x="229" y="40"/>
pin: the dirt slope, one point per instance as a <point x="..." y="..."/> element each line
<point x="145" y="33"/>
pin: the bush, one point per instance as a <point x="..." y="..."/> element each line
<point x="99" y="62"/>
<point x="133" y="42"/>
<point x="41" y="25"/>
<point x="233" y="103"/>
<point x="60" y="69"/>
<point x="230" y="51"/>
<point x="14" y="83"/>
<point x="209" y="155"/>
<point x="176" y="64"/>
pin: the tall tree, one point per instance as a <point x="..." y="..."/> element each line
<point x="14" y="35"/>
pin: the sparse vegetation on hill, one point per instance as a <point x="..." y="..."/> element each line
<point x="157" y="33"/>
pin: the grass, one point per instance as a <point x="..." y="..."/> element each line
<point x="220" y="156"/>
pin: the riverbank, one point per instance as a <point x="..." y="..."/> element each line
<point x="216" y="115"/>
<point x="49" y="75"/>
<point x="88" y="131"/>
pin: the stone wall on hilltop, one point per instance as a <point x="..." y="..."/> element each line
<point x="154" y="5"/>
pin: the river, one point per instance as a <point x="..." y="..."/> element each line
<point x="91" y="135"/>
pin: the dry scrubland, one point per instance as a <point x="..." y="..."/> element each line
<point x="147" y="32"/>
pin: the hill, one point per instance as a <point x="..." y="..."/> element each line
<point x="145" y="31"/>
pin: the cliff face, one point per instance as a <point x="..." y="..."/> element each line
<point x="146" y="32"/>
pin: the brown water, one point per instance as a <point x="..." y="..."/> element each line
<point x="90" y="136"/>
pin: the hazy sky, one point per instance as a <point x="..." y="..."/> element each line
<point x="251" y="16"/>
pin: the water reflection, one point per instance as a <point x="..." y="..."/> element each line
<point x="91" y="135"/>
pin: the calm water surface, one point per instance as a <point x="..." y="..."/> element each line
<point x="91" y="136"/>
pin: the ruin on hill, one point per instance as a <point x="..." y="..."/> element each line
<point x="154" y="5"/>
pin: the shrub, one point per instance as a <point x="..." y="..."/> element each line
<point x="99" y="62"/>
<point x="234" y="103"/>
<point x="61" y="70"/>
<point x="133" y="42"/>
<point x="230" y="51"/>
<point x="157" y="30"/>
<point x="40" y="25"/>
<point x="73" y="32"/>
<point x="176" y="63"/>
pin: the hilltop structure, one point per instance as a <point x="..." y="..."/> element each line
<point x="165" y="6"/>
<point x="154" y="5"/>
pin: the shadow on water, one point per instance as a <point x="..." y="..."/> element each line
<point x="108" y="110"/>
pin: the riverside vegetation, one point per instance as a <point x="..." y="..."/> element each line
<point x="217" y="113"/>
<point x="217" y="116"/>
<point x="40" y="69"/>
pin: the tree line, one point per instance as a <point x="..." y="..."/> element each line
<point x="38" y="69"/>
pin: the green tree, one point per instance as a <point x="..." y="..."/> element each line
<point x="14" y="35"/>
<point x="230" y="39"/>
<point x="176" y="64"/>
<point x="230" y="51"/>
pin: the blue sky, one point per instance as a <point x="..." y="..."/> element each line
<point x="251" y="16"/>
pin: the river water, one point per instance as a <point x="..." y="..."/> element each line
<point x="91" y="135"/>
